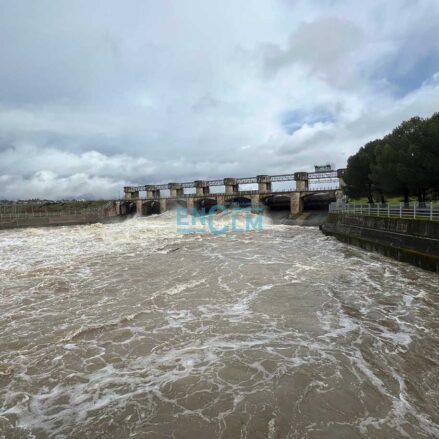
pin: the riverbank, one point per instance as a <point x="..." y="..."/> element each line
<point x="57" y="214"/>
<point x="67" y="220"/>
<point x="407" y="240"/>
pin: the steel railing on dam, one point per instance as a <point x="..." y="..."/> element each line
<point x="415" y="210"/>
<point x="243" y="193"/>
<point x="321" y="177"/>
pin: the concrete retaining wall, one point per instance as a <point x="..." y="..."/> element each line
<point x="412" y="241"/>
<point x="313" y="218"/>
<point x="59" y="220"/>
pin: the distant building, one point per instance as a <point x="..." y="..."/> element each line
<point x="324" y="168"/>
<point x="34" y="201"/>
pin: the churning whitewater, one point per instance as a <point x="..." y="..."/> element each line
<point x="133" y="330"/>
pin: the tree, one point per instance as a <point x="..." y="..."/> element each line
<point x="357" y="176"/>
<point x="406" y="162"/>
<point x="430" y="152"/>
<point x="407" y="141"/>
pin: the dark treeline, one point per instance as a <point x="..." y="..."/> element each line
<point x="404" y="163"/>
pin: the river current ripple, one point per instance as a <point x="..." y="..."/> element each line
<point x="132" y="330"/>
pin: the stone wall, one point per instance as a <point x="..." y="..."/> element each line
<point x="407" y="240"/>
<point x="59" y="220"/>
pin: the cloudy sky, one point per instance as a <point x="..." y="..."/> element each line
<point x="95" y="95"/>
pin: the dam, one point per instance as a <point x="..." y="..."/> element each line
<point x="298" y="191"/>
<point x="298" y="195"/>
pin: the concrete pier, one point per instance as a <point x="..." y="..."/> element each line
<point x="139" y="207"/>
<point x="201" y="187"/>
<point x="302" y="181"/>
<point x="190" y="204"/>
<point x="231" y="185"/>
<point x="255" y="202"/>
<point x="264" y="183"/>
<point x="175" y="189"/>
<point x="163" y="205"/>
<point x="152" y="192"/>
<point x="296" y="203"/>
<point x="131" y="195"/>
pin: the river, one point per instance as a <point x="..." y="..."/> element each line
<point x="134" y="330"/>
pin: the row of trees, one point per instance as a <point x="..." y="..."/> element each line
<point x="404" y="163"/>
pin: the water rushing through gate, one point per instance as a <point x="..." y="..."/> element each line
<point x="131" y="330"/>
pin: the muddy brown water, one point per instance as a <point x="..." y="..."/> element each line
<point x="133" y="330"/>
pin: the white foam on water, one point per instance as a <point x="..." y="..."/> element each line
<point x="137" y="319"/>
<point x="179" y="288"/>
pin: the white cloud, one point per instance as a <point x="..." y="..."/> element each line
<point x="49" y="185"/>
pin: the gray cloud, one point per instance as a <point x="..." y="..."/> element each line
<point x="324" y="46"/>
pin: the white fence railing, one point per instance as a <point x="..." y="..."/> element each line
<point x="428" y="211"/>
